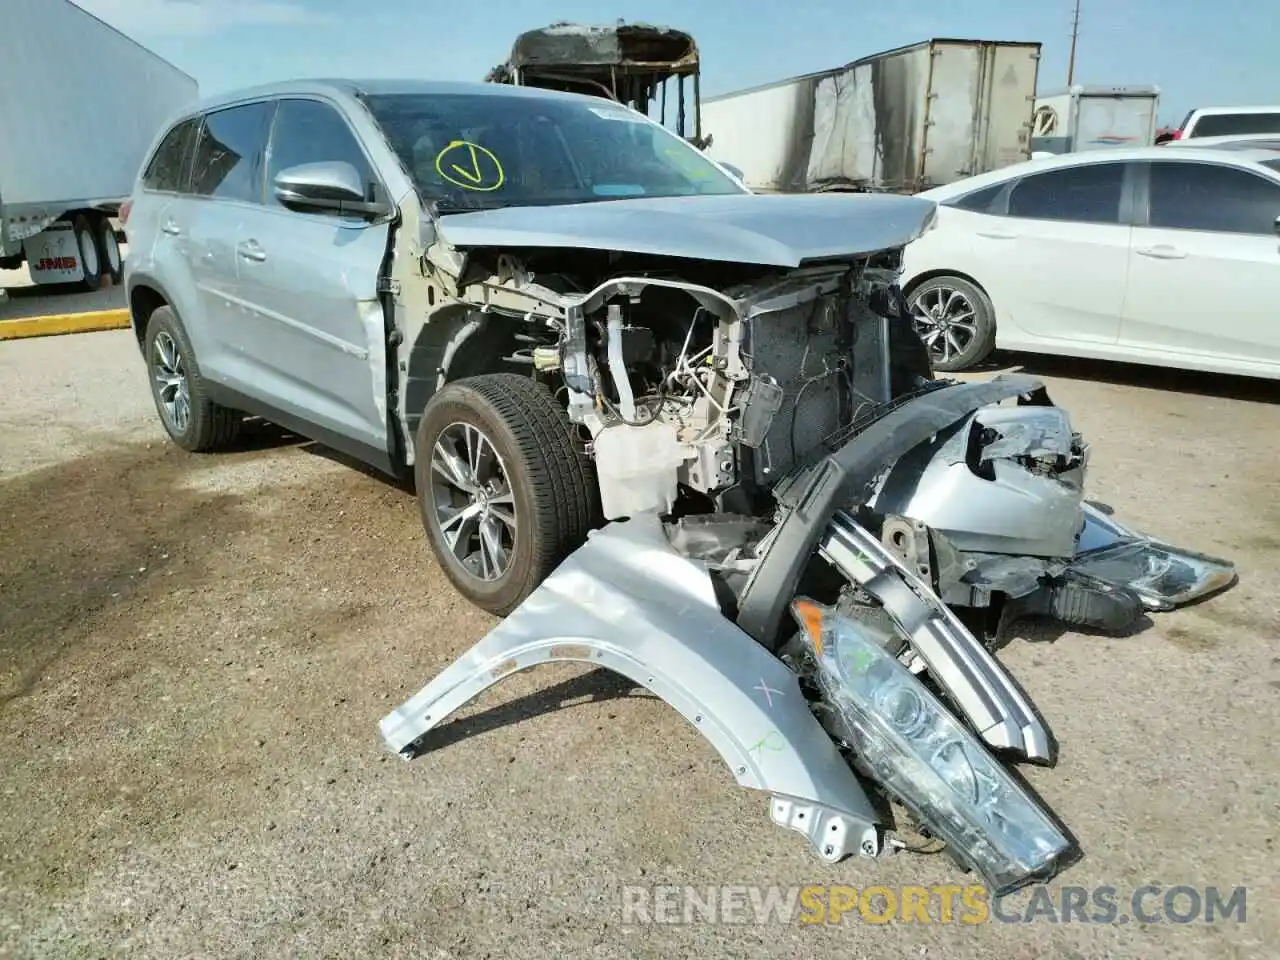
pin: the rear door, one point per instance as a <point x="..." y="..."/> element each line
<point x="160" y="218"/>
<point x="1115" y="121"/>
<point x="308" y="283"/>
<point x="1056" y="264"/>
<point x="1005" y="119"/>
<point x="225" y="188"/>
<point x="1205" y="271"/>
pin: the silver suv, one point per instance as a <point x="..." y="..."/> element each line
<point x="551" y="309"/>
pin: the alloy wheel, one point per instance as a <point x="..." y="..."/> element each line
<point x="474" y="505"/>
<point x="172" y="388"/>
<point x="946" y="321"/>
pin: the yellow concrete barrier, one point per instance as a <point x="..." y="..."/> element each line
<point x="57" y="323"/>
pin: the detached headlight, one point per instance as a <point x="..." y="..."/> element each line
<point x="908" y="741"/>
<point x="1163" y="577"/>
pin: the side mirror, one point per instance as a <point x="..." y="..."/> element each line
<point x="1277" y="226"/>
<point x="736" y="171"/>
<point x="333" y="185"/>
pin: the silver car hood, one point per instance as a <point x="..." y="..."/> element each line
<point x="780" y="230"/>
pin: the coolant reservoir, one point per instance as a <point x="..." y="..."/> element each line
<point x="637" y="467"/>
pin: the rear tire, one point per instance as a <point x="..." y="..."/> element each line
<point x="193" y="421"/>
<point x="955" y="320"/>
<point x="87" y="252"/>
<point x="109" y="259"/>
<point x="505" y="490"/>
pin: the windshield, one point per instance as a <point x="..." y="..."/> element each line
<point x="481" y="151"/>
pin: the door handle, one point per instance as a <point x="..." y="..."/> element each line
<point x="1161" y="251"/>
<point x="171" y="227"/>
<point x="997" y="235"/>
<point x="251" y="250"/>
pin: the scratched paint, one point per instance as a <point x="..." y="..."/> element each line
<point x="570" y="651"/>
<point x="504" y="668"/>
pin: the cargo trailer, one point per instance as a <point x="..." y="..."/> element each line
<point x="901" y="121"/>
<point x="1095" y="118"/>
<point x="80" y="104"/>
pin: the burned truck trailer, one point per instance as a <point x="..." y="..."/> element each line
<point x="900" y="121"/>
<point x="637" y="64"/>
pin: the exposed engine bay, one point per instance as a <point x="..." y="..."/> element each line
<point x="717" y="387"/>
<point x="793" y="504"/>
<point x="731" y="393"/>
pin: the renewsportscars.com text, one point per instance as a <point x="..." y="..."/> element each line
<point x="834" y="904"/>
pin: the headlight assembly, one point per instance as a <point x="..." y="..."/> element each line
<point x="909" y="742"/>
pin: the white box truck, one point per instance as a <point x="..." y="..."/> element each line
<point x="80" y="104"/>
<point x="1095" y="118"/>
<point x="900" y="121"/>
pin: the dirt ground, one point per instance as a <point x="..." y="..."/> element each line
<point x="195" y="653"/>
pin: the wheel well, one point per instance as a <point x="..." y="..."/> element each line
<point x="934" y="274"/>
<point x="464" y="344"/>
<point x="143" y="302"/>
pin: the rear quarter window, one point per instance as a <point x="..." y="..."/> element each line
<point x="979" y="201"/>
<point x="167" y="168"/>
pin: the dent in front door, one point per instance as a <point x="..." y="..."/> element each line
<point x="309" y="282"/>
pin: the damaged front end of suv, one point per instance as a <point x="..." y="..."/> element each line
<point x="693" y="439"/>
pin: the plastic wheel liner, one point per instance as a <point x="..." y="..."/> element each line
<point x="628" y="601"/>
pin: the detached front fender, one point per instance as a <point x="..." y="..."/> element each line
<point x="628" y="601"/>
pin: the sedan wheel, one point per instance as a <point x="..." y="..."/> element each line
<point x="955" y="320"/>
<point x="474" y="505"/>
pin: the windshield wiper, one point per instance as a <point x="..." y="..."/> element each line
<point x="448" y="205"/>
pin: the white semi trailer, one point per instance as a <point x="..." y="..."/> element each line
<point x="80" y="103"/>
<point x="901" y="121"/>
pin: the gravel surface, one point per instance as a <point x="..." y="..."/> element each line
<point x="195" y="653"/>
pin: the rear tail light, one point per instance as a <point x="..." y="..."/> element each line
<point x="124" y="212"/>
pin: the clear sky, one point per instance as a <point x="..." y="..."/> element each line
<point x="1198" y="52"/>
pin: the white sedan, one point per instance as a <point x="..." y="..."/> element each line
<point x="1157" y="256"/>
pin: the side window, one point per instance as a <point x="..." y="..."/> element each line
<point x="167" y="167"/>
<point x="228" y="159"/>
<point x="1089" y="193"/>
<point x="1204" y="196"/>
<point x="308" y="131"/>
<point x="979" y="201"/>
<point x="1234" y="124"/>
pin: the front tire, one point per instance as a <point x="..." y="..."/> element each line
<point x="955" y="320"/>
<point x="193" y="421"/>
<point x="505" y="490"/>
